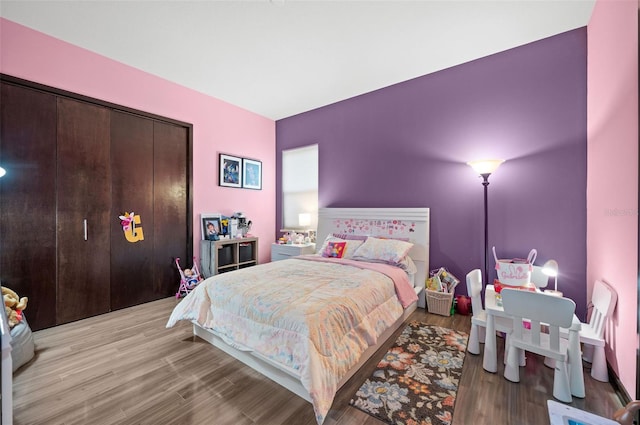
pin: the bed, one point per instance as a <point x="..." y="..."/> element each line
<point x="310" y="322"/>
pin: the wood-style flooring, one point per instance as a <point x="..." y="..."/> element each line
<point x="125" y="367"/>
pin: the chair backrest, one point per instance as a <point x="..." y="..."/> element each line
<point x="604" y="300"/>
<point x="474" y="290"/>
<point x="538" y="308"/>
<point x="538" y="278"/>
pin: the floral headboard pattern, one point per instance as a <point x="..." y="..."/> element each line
<point x="410" y="224"/>
<point x="395" y="228"/>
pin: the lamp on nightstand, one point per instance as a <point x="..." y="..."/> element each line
<point x="550" y="268"/>
<point x="304" y="221"/>
<point x="484" y="168"/>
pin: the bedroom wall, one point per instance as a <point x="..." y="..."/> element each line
<point x="612" y="180"/>
<point x="407" y="146"/>
<point x="217" y="125"/>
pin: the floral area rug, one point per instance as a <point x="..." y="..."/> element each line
<point x="416" y="382"/>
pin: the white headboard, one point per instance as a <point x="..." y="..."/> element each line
<point x="411" y="223"/>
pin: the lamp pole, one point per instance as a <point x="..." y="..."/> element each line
<point x="484" y="168"/>
<point x="485" y="183"/>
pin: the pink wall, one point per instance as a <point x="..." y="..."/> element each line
<point x="612" y="173"/>
<point x="217" y="126"/>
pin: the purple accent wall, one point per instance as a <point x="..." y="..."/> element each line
<point x="407" y="146"/>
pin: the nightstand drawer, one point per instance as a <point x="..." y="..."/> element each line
<point x="282" y="252"/>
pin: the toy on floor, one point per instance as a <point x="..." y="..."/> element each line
<point x="13" y="305"/>
<point x="189" y="278"/>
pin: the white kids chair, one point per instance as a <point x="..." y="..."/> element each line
<point x="479" y="316"/>
<point x="538" y="277"/>
<point x="604" y="300"/>
<point x="538" y="309"/>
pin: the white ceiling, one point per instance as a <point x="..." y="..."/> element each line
<point x="282" y="57"/>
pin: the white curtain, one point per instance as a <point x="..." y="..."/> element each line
<point x="300" y="186"/>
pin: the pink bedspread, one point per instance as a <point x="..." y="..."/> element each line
<point x="405" y="292"/>
<point x="315" y="317"/>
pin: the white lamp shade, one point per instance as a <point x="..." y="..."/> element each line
<point x="304" y="219"/>
<point x="2" y="171"/>
<point x="485" y="166"/>
<point x="550" y="268"/>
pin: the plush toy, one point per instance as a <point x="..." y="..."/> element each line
<point x="13" y="305"/>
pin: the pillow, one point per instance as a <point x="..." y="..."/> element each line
<point x="351" y="246"/>
<point x="392" y="251"/>
<point x="408" y="265"/>
<point x="335" y="249"/>
<point x="347" y="237"/>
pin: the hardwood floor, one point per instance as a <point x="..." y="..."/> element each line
<point x="125" y="367"/>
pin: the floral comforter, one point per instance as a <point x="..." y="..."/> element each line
<point x="313" y="316"/>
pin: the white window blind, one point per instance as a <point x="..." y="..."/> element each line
<point x="300" y="186"/>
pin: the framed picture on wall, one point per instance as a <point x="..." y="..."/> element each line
<point x="210" y="225"/>
<point x="252" y="174"/>
<point x="230" y="171"/>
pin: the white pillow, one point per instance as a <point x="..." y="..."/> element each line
<point x="392" y="251"/>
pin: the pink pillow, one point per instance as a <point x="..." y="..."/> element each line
<point x="334" y="249"/>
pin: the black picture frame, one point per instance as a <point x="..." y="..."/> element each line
<point x="252" y="174"/>
<point x="230" y="168"/>
<point x="211" y="227"/>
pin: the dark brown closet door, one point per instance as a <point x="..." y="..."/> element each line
<point x="132" y="191"/>
<point x="27" y="200"/>
<point x="84" y="183"/>
<point x="170" y="185"/>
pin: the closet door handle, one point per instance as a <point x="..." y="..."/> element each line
<point x="85" y="229"/>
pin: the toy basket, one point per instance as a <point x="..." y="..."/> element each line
<point x="439" y="302"/>
<point x="516" y="271"/>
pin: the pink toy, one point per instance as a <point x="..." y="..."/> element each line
<point x="189" y="278"/>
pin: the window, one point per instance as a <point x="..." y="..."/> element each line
<point x="300" y="187"/>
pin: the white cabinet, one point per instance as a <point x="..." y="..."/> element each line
<point x="282" y="252"/>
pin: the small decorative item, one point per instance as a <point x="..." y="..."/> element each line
<point x="230" y="171"/>
<point x="129" y="222"/>
<point x="211" y="227"/>
<point x="224" y="225"/>
<point x="252" y="173"/>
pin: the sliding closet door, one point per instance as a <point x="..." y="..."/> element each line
<point x="132" y="191"/>
<point x="27" y="199"/>
<point x="84" y="210"/>
<point x="171" y="224"/>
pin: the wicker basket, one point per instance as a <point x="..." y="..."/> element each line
<point x="439" y="302"/>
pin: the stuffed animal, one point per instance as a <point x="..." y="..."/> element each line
<point x="13" y="305"/>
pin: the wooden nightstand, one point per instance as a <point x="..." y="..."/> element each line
<point x="282" y="252"/>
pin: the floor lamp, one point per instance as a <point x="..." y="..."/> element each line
<point x="484" y="168"/>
